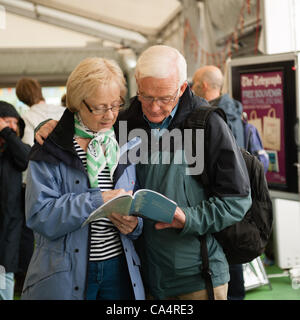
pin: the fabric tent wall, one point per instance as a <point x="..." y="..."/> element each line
<point x="201" y="30"/>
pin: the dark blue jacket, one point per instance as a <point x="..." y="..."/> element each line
<point x="13" y="161"/>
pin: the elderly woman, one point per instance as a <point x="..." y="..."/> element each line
<point x="73" y="173"/>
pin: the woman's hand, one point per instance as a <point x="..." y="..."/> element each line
<point x="108" y="195"/>
<point x="126" y="224"/>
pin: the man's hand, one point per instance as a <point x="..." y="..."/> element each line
<point x="178" y="221"/>
<point x="44" y="131"/>
<point x="3" y="124"/>
<point x="108" y="195"/>
<point x="126" y="224"/>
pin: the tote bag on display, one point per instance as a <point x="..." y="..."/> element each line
<point x="271" y="131"/>
<point x="256" y="122"/>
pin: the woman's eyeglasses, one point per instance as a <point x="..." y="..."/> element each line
<point x="102" y="109"/>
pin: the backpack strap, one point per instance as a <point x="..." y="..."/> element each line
<point x="206" y="273"/>
<point x="197" y="119"/>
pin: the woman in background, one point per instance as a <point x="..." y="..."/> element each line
<point x="13" y="161"/>
<point x="29" y="91"/>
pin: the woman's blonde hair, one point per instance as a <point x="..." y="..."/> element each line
<point x="88" y="76"/>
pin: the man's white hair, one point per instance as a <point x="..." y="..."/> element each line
<point x="160" y="61"/>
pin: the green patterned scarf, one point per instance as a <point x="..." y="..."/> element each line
<point x="96" y="158"/>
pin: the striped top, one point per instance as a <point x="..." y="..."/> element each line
<point x="105" y="241"/>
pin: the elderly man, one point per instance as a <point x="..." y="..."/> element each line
<point x="170" y="253"/>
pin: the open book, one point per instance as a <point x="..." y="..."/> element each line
<point x="144" y="203"/>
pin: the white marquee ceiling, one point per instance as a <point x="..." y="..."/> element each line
<point x="124" y="22"/>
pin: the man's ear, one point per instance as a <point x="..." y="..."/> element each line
<point x="182" y="88"/>
<point x="137" y="82"/>
<point x="205" y="86"/>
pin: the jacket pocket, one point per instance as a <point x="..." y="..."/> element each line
<point x="187" y="257"/>
<point x="45" y="263"/>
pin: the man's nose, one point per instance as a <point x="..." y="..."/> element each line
<point x="155" y="105"/>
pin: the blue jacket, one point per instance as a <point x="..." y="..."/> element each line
<point x="233" y="109"/>
<point x="58" y="200"/>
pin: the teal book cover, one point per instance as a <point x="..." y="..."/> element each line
<point x="153" y="205"/>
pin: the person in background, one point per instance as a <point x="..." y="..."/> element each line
<point x="73" y="173"/>
<point x="63" y="100"/>
<point x="29" y="91"/>
<point x="207" y="83"/>
<point x="13" y="161"/>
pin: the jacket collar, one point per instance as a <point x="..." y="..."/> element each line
<point x="63" y="133"/>
<point x="58" y="147"/>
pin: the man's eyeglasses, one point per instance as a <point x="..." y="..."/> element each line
<point x="102" y="109"/>
<point x="163" y="101"/>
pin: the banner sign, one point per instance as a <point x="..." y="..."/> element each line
<point x="262" y="99"/>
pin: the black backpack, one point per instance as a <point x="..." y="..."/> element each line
<point x="247" y="239"/>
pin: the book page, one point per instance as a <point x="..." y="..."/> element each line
<point x="119" y="205"/>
